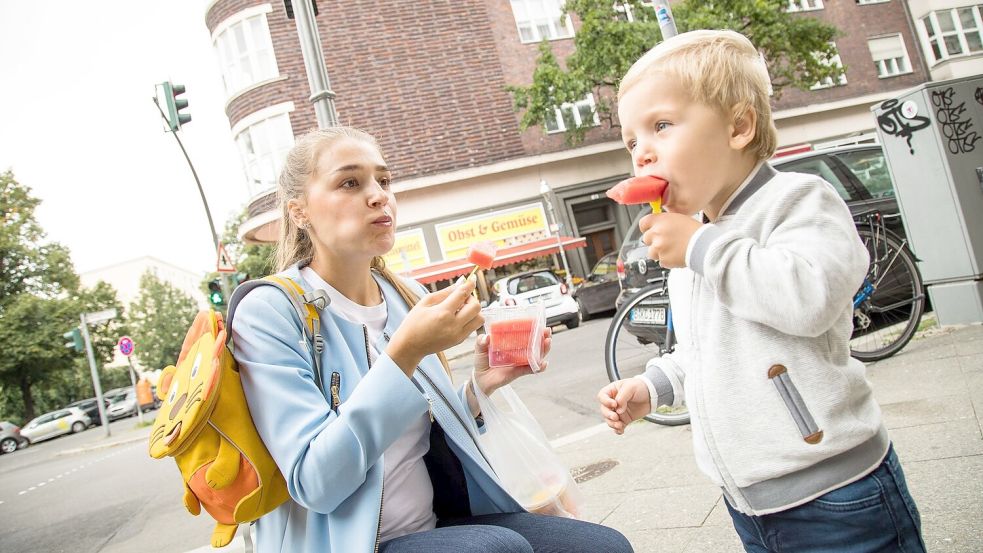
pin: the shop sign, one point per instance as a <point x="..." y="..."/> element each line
<point x="508" y="227"/>
<point x="409" y="251"/>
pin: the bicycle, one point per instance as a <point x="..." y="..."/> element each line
<point x="647" y="334"/>
<point x="888" y="307"/>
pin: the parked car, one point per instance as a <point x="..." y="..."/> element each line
<point x="10" y="437"/>
<point x="858" y="173"/>
<point x="599" y="292"/>
<point x="122" y="405"/>
<point x="535" y="286"/>
<point x="63" y="421"/>
<point x="91" y="408"/>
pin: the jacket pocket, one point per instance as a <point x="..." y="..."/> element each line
<point x="796" y="406"/>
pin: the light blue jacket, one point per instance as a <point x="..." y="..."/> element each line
<point x="333" y="461"/>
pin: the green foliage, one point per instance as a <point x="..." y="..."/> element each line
<point x="251" y="260"/>
<point x="39" y="302"/>
<point x="796" y="49"/>
<point x="26" y="264"/>
<point x="159" y="320"/>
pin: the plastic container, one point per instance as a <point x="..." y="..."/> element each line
<point x="516" y="335"/>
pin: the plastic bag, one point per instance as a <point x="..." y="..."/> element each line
<point x="521" y="456"/>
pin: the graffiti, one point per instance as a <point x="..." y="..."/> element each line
<point x="979" y="95"/>
<point x="894" y="123"/>
<point x="958" y="131"/>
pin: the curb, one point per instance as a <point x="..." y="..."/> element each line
<point x="102" y="446"/>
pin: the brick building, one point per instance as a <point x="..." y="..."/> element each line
<point x="428" y="80"/>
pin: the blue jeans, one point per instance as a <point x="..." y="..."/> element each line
<point x="512" y="533"/>
<point x="872" y="515"/>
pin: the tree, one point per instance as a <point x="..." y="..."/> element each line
<point x="797" y="51"/>
<point x="37" y="284"/>
<point x="159" y="320"/>
<point x="26" y="264"/>
<point x="251" y="260"/>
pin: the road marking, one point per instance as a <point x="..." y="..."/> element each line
<point x="22" y="493"/>
<point x="41" y="484"/>
<point x="579" y="435"/>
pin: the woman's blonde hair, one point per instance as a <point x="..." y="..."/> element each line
<point x="720" y="69"/>
<point x="294" y="245"/>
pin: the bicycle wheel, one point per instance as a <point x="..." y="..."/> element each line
<point x="638" y="332"/>
<point x="889" y="305"/>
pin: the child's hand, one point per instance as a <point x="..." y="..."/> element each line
<point x="623" y="402"/>
<point x="439" y="321"/>
<point x="492" y="378"/>
<point x="667" y="236"/>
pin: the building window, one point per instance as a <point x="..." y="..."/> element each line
<point x="804" y="5"/>
<point x="264" y="140"/>
<point x="889" y="55"/>
<point x="828" y="82"/>
<point x="955" y="32"/>
<point x="541" y="19"/>
<point x="581" y="114"/>
<point x="245" y="49"/>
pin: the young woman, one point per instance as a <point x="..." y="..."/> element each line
<point x="390" y="464"/>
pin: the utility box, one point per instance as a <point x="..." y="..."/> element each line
<point x="933" y="142"/>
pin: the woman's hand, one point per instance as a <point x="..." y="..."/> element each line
<point x="493" y="378"/>
<point x="437" y="322"/>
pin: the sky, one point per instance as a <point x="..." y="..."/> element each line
<point x="79" y="127"/>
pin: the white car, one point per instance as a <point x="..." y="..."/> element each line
<point x="63" y="421"/>
<point x="122" y="405"/>
<point x="539" y="286"/>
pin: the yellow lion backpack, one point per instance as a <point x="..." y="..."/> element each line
<point x="205" y="425"/>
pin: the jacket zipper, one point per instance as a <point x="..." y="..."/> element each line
<point x="335" y="391"/>
<point x="382" y="495"/>
<point x="448" y="404"/>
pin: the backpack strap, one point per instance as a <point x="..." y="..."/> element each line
<point x="305" y="304"/>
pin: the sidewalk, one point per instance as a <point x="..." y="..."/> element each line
<point x="931" y="395"/>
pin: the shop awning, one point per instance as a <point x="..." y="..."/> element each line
<point x="445" y="270"/>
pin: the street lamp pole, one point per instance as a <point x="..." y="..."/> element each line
<point x="317" y="73"/>
<point x="546" y="192"/>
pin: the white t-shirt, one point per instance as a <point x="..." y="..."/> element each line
<point x="408" y="502"/>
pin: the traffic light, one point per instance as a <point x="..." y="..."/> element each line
<point x="215" y="295"/>
<point x="174" y="105"/>
<point x="74" y="338"/>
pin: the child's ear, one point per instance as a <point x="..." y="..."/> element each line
<point x="743" y="128"/>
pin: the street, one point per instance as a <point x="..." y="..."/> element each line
<point x="118" y="499"/>
<point x="75" y="494"/>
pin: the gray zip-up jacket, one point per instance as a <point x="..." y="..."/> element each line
<point x="781" y="413"/>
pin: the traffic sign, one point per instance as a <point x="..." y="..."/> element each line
<point x="100" y="316"/>
<point x="224" y="264"/>
<point x="125" y="345"/>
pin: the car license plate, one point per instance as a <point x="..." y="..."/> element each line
<point x="537" y="299"/>
<point x="648" y="315"/>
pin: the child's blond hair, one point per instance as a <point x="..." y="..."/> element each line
<point x="719" y="69"/>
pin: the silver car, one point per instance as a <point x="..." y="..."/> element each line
<point x="63" y="421"/>
<point x="10" y="437"/>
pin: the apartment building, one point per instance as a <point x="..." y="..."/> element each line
<point x="428" y="80"/>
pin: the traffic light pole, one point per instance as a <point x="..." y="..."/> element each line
<point x="226" y="284"/>
<point x="84" y="327"/>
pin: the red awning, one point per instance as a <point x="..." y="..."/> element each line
<point x="445" y="270"/>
